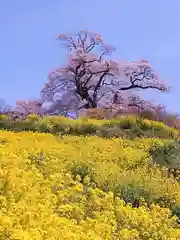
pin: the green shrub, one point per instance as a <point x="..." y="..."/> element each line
<point x="125" y="126"/>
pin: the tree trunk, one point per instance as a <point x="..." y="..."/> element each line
<point x="91" y="103"/>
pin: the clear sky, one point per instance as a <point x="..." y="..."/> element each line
<point x="147" y="29"/>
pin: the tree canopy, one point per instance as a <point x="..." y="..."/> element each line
<point x="91" y="79"/>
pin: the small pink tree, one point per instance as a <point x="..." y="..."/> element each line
<point x="92" y="78"/>
<point x="28" y="107"/>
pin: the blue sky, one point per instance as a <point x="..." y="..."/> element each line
<point x="147" y="29"/>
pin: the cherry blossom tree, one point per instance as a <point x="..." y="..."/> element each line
<point x="92" y="78"/>
<point x="28" y="107"/>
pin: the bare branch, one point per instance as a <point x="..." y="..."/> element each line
<point x="133" y="86"/>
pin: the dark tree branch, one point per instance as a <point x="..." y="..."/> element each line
<point x="141" y="87"/>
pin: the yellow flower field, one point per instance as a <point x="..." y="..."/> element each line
<point x="74" y="187"/>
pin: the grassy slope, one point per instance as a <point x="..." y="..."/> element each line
<point x="68" y="187"/>
<point x="128" y="126"/>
